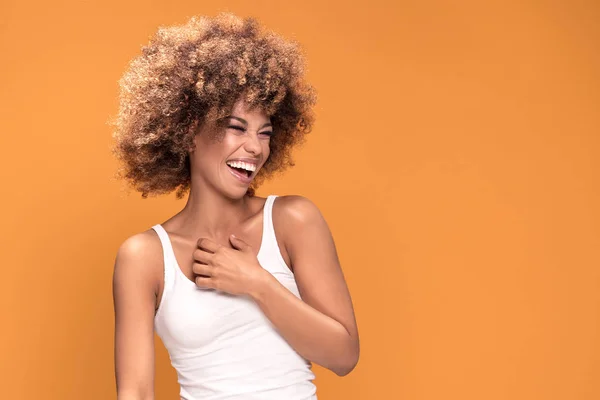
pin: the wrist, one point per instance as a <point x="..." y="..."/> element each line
<point x="262" y="282"/>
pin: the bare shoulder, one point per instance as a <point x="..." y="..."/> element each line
<point x="139" y="258"/>
<point x="140" y="244"/>
<point x="296" y="209"/>
<point x="142" y="248"/>
<point x="293" y="214"/>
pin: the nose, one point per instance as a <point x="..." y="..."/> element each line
<point x="252" y="144"/>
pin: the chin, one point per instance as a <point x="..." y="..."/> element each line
<point x="236" y="193"/>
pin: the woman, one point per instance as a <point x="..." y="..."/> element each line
<point x="245" y="292"/>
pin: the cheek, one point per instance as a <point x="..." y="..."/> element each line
<point x="206" y="157"/>
<point x="266" y="152"/>
<point x="216" y="147"/>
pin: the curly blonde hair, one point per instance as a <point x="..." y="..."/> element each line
<point x="194" y="73"/>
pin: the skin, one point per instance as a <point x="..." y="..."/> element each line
<point x="321" y="327"/>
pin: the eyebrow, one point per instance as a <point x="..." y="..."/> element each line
<point x="242" y="120"/>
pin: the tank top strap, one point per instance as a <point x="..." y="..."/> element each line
<point x="268" y="229"/>
<point x="270" y="247"/>
<point x="168" y="258"/>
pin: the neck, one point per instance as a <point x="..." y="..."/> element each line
<point x="210" y="214"/>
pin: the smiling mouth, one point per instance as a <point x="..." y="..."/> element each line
<point x="242" y="171"/>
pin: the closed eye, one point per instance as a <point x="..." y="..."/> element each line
<point x="242" y="129"/>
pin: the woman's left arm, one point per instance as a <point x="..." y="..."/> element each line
<point x="321" y="327"/>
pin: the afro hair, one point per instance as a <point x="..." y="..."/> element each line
<point x="194" y="73"/>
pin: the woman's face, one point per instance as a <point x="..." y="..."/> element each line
<point x="240" y="148"/>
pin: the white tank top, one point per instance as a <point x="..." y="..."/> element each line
<point x="223" y="346"/>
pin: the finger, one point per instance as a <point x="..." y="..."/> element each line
<point x="207" y="244"/>
<point x="202" y="269"/>
<point x="202" y="256"/>
<point x="205" y="283"/>
<point x="239" y="244"/>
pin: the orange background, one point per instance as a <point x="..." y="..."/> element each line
<point x="455" y="157"/>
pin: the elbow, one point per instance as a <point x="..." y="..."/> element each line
<point x="345" y="369"/>
<point x="349" y="362"/>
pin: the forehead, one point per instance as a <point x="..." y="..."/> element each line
<point x="242" y="109"/>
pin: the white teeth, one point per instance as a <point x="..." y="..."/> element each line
<point x="241" y="164"/>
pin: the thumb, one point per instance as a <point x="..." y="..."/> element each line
<point x="238" y="243"/>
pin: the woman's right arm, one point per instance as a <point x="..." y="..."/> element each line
<point x="138" y="266"/>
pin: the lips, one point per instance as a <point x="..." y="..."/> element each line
<point x="246" y="160"/>
<point x="241" y="176"/>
